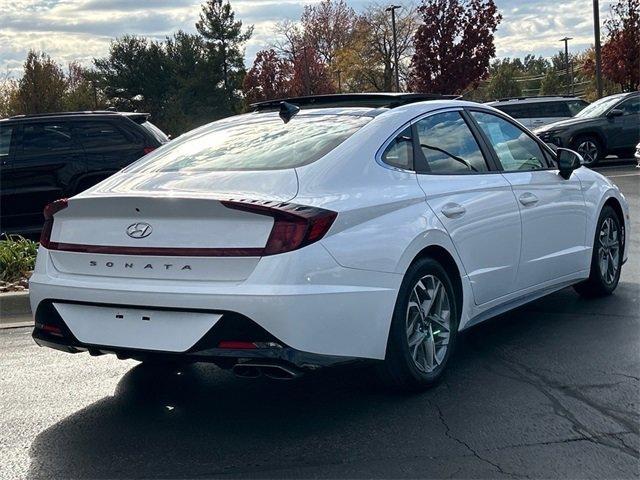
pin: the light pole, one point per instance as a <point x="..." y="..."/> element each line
<point x="596" y="31"/>
<point x="566" y="62"/>
<point x="392" y="9"/>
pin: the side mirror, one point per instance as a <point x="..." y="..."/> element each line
<point x="568" y="161"/>
<point x="616" y="112"/>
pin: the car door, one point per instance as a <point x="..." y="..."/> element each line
<point x="475" y="204"/>
<point x="553" y="210"/>
<point x="44" y="166"/>
<point x="626" y="133"/>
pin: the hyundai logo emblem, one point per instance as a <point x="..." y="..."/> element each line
<point x="139" y="230"/>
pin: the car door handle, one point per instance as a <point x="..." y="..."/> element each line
<point x="453" y="210"/>
<point x="528" y="199"/>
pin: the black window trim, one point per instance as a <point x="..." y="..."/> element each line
<point x="547" y="152"/>
<point x="419" y="162"/>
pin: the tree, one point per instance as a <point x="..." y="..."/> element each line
<point x="621" y="52"/>
<point x="310" y="75"/>
<point x="43" y="85"/>
<point x="503" y="82"/>
<point x="82" y="92"/>
<point x="225" y="39"/>
<point x="270" y="77"/>
<point x="328" y="27"/>
<point x="454" y="45"/>
<point x="374" y="65"/>
<point x="552" y="84"/>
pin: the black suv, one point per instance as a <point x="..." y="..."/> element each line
<point x="609" y="126"/>
<point x="50" y="156"/>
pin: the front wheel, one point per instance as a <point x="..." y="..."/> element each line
<point x="423" y="329"/>
<point x="606" y="259"/>
<point x="590" y="149"/>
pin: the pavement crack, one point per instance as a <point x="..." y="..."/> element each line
<point x="551" y="390"/>
<point x="448" y="434"/>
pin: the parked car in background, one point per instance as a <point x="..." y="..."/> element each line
<point x="535" y="112"/>
<point x="50" y="156"/>
<point x="324" y="230"/>
<point x="610" y="126"/>
<point x="637" y="154"/>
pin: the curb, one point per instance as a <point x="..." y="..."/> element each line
<point x="14" y="307"/>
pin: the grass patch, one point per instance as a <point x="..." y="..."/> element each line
<point x="17" y="258"/>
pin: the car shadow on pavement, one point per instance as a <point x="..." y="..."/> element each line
<point x="199" y="421"/>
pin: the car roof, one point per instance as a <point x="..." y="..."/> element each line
<point x="135" y="116"/>
<point x="539" y="99"/>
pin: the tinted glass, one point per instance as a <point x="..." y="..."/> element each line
<point x="6" y="133"/>
<point x="43" y="138"/>
<point x="100" y="135"/>
<point x="155" y="132"/>
<point x="256" y="142"/>
<point x="630" y="106"/>
<point x="576" y="106"/>
<point x="515" y="111"/>
<point x="516" y="150"/>
<point x="551" y="109"/>
<point x="399" y="153"/>
<point x="448" y="145"/>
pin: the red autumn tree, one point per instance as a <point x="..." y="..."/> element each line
<point x="310" y="74"/>
<point x="621" y="52"/>
<point x="454" y="45"/>
<point x="270" y="77"/>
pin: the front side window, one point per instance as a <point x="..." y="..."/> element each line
<point x="516" y="150"/>
<point x="255" y="142"/>
<point x="44" y="138"/>
<point x="399" y="153"/>
<point x="448" y="145"/>
<point x="631" y="106"/>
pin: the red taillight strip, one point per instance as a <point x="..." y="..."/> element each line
<point x="49" y="211"/>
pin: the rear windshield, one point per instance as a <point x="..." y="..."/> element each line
<point x="256" y="142"/>
<point x="155" y="132"/>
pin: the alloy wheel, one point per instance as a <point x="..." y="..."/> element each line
<point x="589" y="151"/>
<point x="609" y="250"/>
<point x="428" y="323"/>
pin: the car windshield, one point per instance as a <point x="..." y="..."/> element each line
<point x="256" y="142"/>
<point x="598" y="108"/>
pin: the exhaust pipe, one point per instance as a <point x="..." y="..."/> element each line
<point x="275" y="372"/>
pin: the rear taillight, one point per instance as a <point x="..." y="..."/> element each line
<point x="49" y="211"/>
<point x="294" y="226"/>
<point x="148" y="150"/>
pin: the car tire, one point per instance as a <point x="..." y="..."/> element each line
<point x="419" y="345"/>
<point x="590" y="148"/>
<point x="606" y="259"/>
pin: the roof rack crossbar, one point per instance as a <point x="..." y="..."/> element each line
<point x="371" y="100"/>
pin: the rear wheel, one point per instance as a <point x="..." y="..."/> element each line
<point x="606" y="259"/>
<point x="590" y="149"/>
<point x="423" y="328"/>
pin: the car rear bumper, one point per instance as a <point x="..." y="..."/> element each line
<point x="320" y="309"/>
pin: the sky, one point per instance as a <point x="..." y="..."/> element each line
<point x="79" y="30"/>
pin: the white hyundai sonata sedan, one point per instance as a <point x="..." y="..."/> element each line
<point x="319" y="231"/>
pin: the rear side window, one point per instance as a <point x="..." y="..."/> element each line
<point x="515" y="111"/>
<point x="100" y="135"/>
<point x="43" y="138"/>
<point x="399" y="153"/>
<point x="256" y="142"/>
<point x="6" y="133"/>
<point x="448" y="145"/>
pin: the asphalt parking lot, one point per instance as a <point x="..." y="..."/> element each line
<point x="551" y="390"/>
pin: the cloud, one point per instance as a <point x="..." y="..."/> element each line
<point x="80" y="30"/>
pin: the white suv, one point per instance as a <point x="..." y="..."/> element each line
<point x="535" y="112"/>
